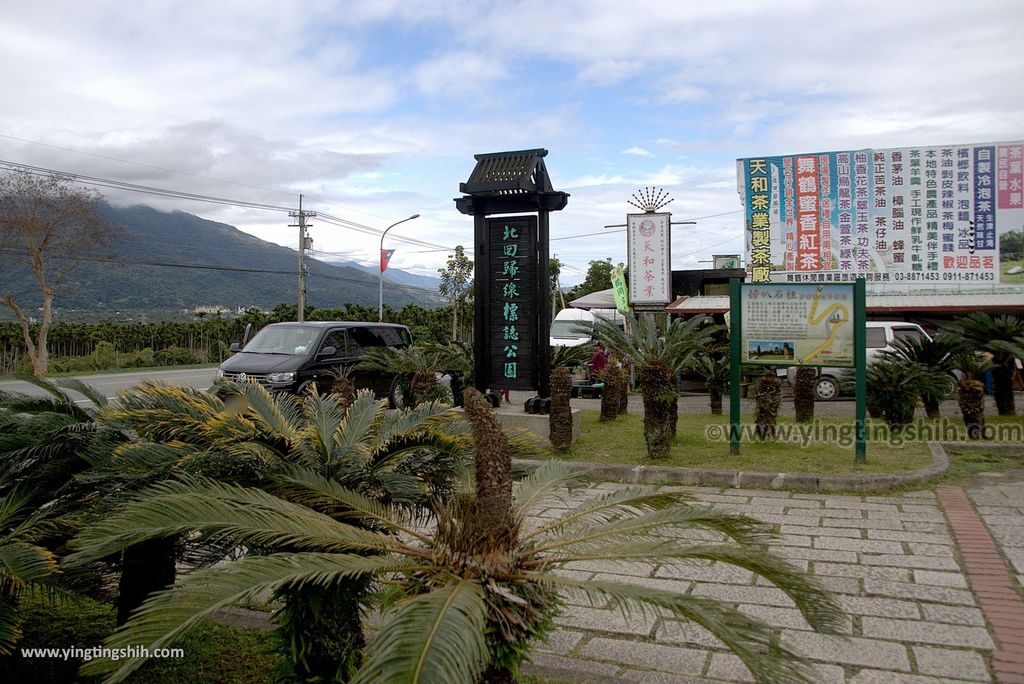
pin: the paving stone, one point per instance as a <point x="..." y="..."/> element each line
<point x="949" y="663"/>
<point x="674" y="659"/>
<point x="613" y="567"/>
<point x="782" y="519"/>
<point x="848" y="650"/>
<point x="933" y="517"/>
<point x="919" y="508"/>
<point x="942" y="579"/>
<point x="719" y="573"/>
<point x="930" y="527"/>
<point x="731" y="668"/>
<point x="862" y="506"/>
<point x="785" y="617"/>
<point x="851" y="513"/>
<point x="917" y="592"/>
<point x="863" y="545"/>
<point x="922" y="537"/>
<point x="958" y="615"/>
<point x="929" y="549"/>
<point x="885" y="677"/>
<point x="827" y="555"/>
<point x="792" y="540"/>
<point x="882" y="607"/>
<point x="607" y="620"/>
<point x="733" y="593"/>
<point x="850" y="532"/>
<point x="561" y="641"/>
<point x="649" y="677"/>
<point x="686" y="632"/>
<point x="802" y="503"/>
<point x="926" y="633"/>
<point x="862" y="571"/>
<point x="864" y="523"/>
<point x="922" y="494"/>
<point x="946" y="562"/>
<point x="675" y="586"/>
<point x="578" y="667"/>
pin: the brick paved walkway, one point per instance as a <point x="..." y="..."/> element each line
<point x="891" y="561"/>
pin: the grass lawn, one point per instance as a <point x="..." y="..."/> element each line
<point x="701" y="442"/>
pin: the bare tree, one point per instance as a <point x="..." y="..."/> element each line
<point x="45" y="221"/>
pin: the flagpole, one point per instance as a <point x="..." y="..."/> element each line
<point x="380" y="305"/>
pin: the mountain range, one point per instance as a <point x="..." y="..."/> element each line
<point x="396" y="275"/>
<point x="169" y="261"/>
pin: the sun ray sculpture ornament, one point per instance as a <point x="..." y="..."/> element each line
<point x="650" y="200"/>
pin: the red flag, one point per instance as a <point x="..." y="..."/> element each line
<point x="385" y="257"/>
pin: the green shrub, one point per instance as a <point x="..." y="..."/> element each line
<point x="175" y="356"/>
<point x="81" y="622"/>
<point x="104" y="356"/>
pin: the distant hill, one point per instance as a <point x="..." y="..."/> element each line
<point x="152" y="236"/>
<point x="395" y="275"/>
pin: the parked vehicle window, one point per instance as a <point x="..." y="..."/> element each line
<point x="876" y="338"/>
<point x="376" y="337"/>
<point x="907" y="333"/>
<point x="336" y="339"/>
<point x="282" y="340"/>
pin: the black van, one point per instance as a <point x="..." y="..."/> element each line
<point x="289" y="357"/>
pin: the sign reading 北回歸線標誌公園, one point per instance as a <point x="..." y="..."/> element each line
<point x="927" y="216"/>
<point x="798" y="325"/>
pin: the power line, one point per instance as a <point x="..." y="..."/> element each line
<point x="213" y="267"/>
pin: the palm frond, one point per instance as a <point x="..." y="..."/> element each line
<point x="612" y="505"/>
<point x="278" y="414"/>
<point x="228" y="513"/>
<point x="749" y="638"/>
<point x="539" y="485"/>
<point x="432" y="637"/>
<point x="167" y="615"/>
<point x="98" y="399"/>
<point x="315" y="491"/>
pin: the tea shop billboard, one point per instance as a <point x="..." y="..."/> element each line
<point x="914" y="216"/>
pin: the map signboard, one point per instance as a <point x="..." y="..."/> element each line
<point x="798" y="325"/>
<point x="905" y="216"/>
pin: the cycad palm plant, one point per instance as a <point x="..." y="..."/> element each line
<point x="713" y="366"/>
<point x="987" y="333"/>
<point x="25" y="564"/>
<point x="282" y="443"/>
<point x="895" y="384"/>
<point x="416" y="366"/>
<point x="468" y="597"/>
<point x="971" y="391"/>
<point x="658" y="359"/>
<point x="936" y="356"/>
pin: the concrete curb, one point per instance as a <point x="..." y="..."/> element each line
<point x="811" y="482"/>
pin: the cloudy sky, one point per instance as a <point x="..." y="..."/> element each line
<point x="375" y="109"/>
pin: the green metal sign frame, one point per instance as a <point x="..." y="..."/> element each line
<point x="860" y="366"/>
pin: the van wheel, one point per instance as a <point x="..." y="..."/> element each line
<point x="826" y="389"/>
<point x="396" y="398"/>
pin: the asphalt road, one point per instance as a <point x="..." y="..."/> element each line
<point x="109" y="384"/>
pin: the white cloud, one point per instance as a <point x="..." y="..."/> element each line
<point x="637" y="151"/>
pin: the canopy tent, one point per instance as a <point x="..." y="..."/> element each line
<point x="603" y="299"/>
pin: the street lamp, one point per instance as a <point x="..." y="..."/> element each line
<point x="380" y="306"/>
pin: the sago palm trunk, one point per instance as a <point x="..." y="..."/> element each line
<point x="803" y="394"/>
<point x="715" y="395"/>
<point x="659" y="395"/>
<point x="971" y="397"/>
<point x="146" y="568"/>
<point x="1002" y="377"/>
<point x="321" y="632"/>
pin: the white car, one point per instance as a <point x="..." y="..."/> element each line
<point x="880" y="336"/>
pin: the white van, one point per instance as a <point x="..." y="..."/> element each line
<point x="572" y="327"/>
<point x="880" y="335"/>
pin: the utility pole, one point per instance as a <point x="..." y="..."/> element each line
<point x="305" y="242"/>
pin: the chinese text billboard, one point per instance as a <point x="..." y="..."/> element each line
<point x="916" y="215"/>
<point x="797" y="325"/>
<point x="650" y="259"/>
<point x="511" y="318"/>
